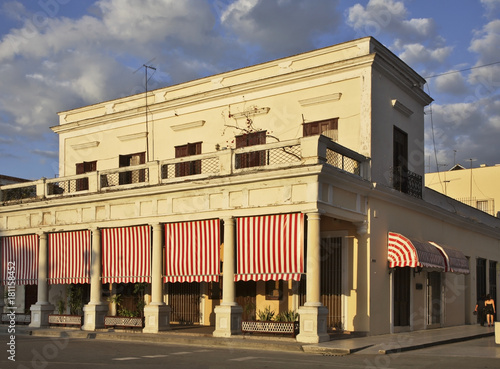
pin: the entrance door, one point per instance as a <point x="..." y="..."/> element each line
<point x="184" y="300"/>
<point x="30" y="296"/>
<point x="331" y="280"/>
<point x="402" y="297"/>
<point x="246" y="292"/>
<point x="433" y="298"/>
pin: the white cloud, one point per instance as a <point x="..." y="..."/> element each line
<point x="414" y="54"/>
<point x="452" y="83"/>
<point x="280" y="27"/>
<point x="63" y="63"/>
<point x="415" y="39"/>
<point x="492" y="7"/>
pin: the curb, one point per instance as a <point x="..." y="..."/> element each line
<point x="436" y="343"/>
<point x="240" y="343"/>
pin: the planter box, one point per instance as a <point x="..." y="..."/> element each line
<point x="123" y="321"/>
<point x="62" y="319"/>
<point x="291" y="328"/>
<point x="19" y="318"/>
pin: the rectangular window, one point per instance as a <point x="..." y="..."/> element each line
<point x="274" y="290"/>
<point x="327" y="127"/>
<point x="251" y="159"/>
<point x="400" y="160"/>
<point x="482" y="205"/>
<point x="133" y="176"/>
<point x="188" y="168"/>
<point x="82" y="184"/>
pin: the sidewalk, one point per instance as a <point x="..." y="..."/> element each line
<point x="202" y="336"/>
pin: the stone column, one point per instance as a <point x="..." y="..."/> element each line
<point x="41" y="310"/>
<point x="228" y="313"/>
<point x="157" y="313"/>
<point x="95" y="311"/>
<point x="313" y="314"/>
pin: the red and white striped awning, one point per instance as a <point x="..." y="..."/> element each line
<point x="455" y="261"/>
<point x="192" y="251"/>
<point x="20" y="254"/>
<point x="69" y="257"/>
<point x="270" y="247"/>
<point x="403" y="252"/>
<point x="126" y="255"/>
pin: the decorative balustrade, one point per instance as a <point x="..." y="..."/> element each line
<point x="18" y="318"/>
<point x="208" y="164"/>
<point x="62" y="319"/>
<point x="407" y="182"/>
<point x="299" y="152"/>
<point x="291" y="328"/>
<point x="123" y="322"/>
<point x="268" y="154"/>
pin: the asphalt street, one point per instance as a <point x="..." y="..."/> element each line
<point x="46" y="352"/>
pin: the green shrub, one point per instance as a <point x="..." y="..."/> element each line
<point x="266" y="315"/>
<point x="287" y="316"/>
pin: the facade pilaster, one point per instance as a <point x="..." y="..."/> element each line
<point x="228" y="314"/>
<point x="41" y="310"/>
<point x="157" y="313"/>
<point x="313" y="314"/>
<point x="95" y="311"/>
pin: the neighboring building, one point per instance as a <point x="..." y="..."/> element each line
<point x="476" y="187"/>
<point x="5" y="180"/>
<point x="298" y="181"/>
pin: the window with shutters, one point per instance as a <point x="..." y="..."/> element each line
<point x="82" y="184"/>
<point x="133" y="176"/>
<point x="327" y="127"/>
<point x="188" y="168"/>
<point x="254" y="158"/>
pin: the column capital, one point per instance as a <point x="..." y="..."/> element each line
<point x="316" y="215"/>
<point x="229" y="220"/>
<point x="156" y="227"/>
<point x="94" y="228"/>
<point x="42" y="235"/>
<point x="361" y="227"/>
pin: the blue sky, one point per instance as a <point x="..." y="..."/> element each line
<point x="56" y="55"/>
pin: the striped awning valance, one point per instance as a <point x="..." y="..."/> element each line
<point x="126" y="255"/>
<point x="403" y="252"/>
<point x="455" y="260"/>
<point x="192" y="252"/>
<point x="20" y="259"/>
<point x="270" y="247"/>
<point x="69" y="257"/>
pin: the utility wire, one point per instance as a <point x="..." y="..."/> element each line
<point x="462" y="70"/>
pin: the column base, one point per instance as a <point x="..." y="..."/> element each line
<point x="497" y="333"/>
<point x="313" y="327"/>
<point x="227" y="320"/>
<point x="156" y="318"/>
<point x="40" y="315"/>
<point x="93" y="316"/>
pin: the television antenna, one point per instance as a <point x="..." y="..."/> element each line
<point x="146" y="67"/>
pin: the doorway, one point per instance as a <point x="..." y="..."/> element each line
<point x="433" y="298"/>
<point x="402" y="297"/>
<point x="184" y="300"/>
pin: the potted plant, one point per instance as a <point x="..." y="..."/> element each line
<point x="126" y="317"/>
<point x="284" y="323"/>
<point x="75" y="304"/>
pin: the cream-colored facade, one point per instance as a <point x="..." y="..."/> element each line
<point x="476" y="187"/>
<point x="198" y="155"/>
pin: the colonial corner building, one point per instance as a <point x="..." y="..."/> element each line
<point x="295" y="185"/>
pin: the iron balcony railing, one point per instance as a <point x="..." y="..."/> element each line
<point x="407" y="182"/>
<point x="286" y="154"/>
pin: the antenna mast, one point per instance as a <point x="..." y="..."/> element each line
<point x="146" y="67"/>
